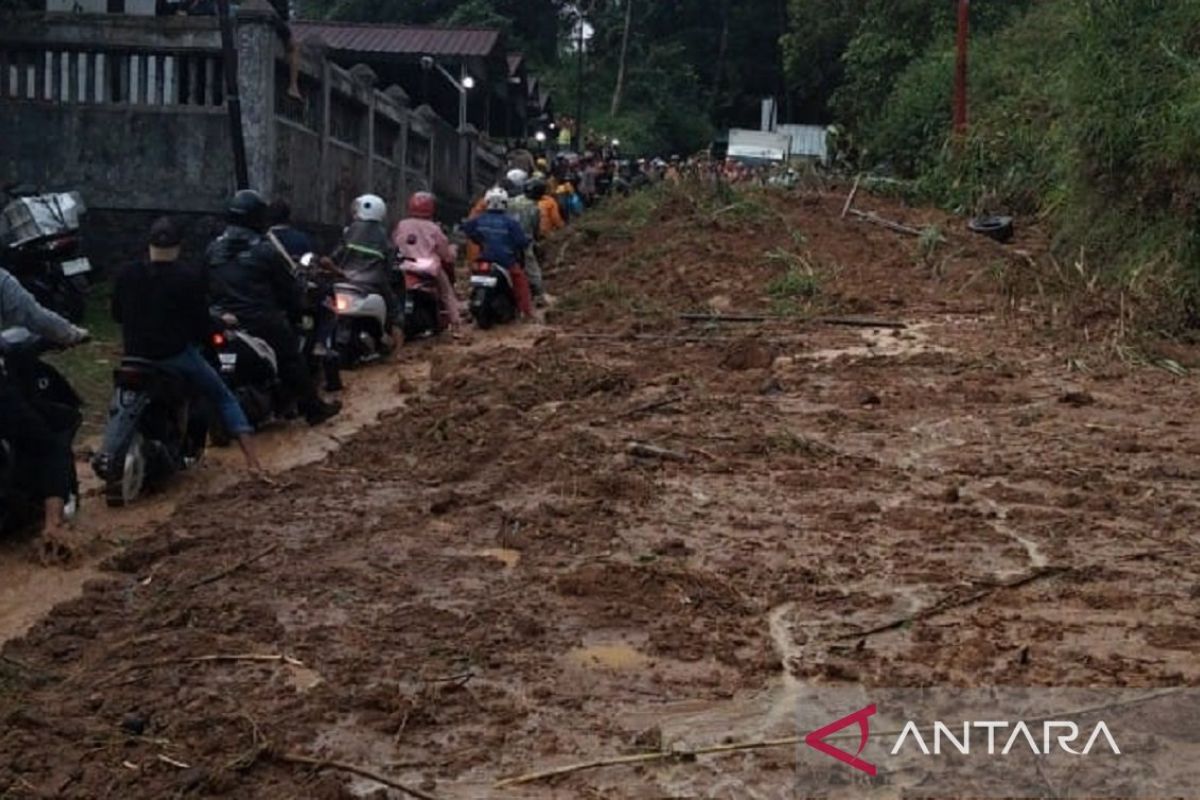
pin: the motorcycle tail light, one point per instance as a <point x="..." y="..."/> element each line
<point x="218" y="339"/>
<point x="342" y="303"/>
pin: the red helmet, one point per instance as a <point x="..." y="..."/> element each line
<point x="422" y="205"/>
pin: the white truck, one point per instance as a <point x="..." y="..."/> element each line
<point x="758" y="147"/>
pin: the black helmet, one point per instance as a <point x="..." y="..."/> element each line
<point x="536" y="188"/>
<point x="248" y="209"/>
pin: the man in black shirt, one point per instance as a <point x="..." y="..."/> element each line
<point x="162" y="307"/>
<point x="253" y="281"/>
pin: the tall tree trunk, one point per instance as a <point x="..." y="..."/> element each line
<point x="722" y="50"/>
<point x="616" y="100"/>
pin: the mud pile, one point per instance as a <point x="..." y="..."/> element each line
<point x="627" y="531"/>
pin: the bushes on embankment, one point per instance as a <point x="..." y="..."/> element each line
<point x="1086" y="112"/>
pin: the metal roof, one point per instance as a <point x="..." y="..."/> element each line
<point x="400" y="39"/>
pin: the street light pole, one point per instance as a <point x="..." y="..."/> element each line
<point x="463" y="85"/>
<point x="960" y="72"/>
<point x="579" y="90"/>
<point x="462" y="99"/>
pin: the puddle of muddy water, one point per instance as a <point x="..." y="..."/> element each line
<point x="879" y="343"/>
<point x="615" y="656"/>
<point x="509" y="558"/>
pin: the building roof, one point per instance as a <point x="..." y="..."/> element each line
<point x="360" y="37"/>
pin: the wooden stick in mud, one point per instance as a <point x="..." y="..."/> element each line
<point x="875" y="219"/>
<point x="655" y="406"/>
<point x="853" y="194"/>
<point x="853" y="322"/>
<point x="942" y="607"/>
<point x="644" y="450"/>
<point x="225" y="573"/>
<point x="643" y="758"/>
<point x="858" y="322"/>
<point x="362" y="772"/>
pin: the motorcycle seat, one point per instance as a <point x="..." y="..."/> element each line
<point x="144" y="374"/>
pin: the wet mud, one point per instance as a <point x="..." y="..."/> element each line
<point x="485" y="579"/>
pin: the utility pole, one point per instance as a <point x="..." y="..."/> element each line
<point x="579" y="44"/>
<point x="960" y="72"/>
<point x="233" y="101"/>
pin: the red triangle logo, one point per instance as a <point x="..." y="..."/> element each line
<point x="816" y="739"/>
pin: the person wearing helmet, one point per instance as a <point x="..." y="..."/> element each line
<point x="252" y="280"/>
<point x="525" y="211"/>
<point x="423" y="241"/>
<point x="503" y="242"/>
<point x="366" y="254"/>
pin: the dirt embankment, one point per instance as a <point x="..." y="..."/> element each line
<point x="493" y="580"/>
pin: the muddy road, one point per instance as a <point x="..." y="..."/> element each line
<point x="622" y="531"/>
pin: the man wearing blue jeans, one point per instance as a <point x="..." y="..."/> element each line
<point x="162" y="307"/>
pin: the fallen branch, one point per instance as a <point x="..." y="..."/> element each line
<point x="362" y="772"/>
<point x="875" y="219"/>
<point x="213" y="659"/>
<point x="644" y="450"/>
<point x="655" y="406"/>
<point x="730" y="317"/>
<point x="643" y="758"/>
<point x="225" y="573"/>
<point x="942" y="606"/>
<point x="850" y="199"/>
<point x="857" y="322"/>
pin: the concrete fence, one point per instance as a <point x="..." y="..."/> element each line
<point x="130" y="111"/>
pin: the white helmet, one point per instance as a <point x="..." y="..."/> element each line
<point x="496" y="199"/>
<point x="370" y="208"/>
<point x="518" y="178"/>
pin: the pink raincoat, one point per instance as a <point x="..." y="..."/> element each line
<point x="424" y="241"/>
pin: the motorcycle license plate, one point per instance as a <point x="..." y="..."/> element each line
<point x="408" y="306"/>
<point x="483" y="280"/>
<point x="76" y="266"/>
<point x="228" y="361"/>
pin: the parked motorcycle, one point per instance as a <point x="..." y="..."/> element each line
<point x="493" y="296"/>
<point x="41" y="244"/>
<point x="49" y="393"/>
<point x="154" y="431"/>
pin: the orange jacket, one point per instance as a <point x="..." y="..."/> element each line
<point x="551" y="217"/>
<point x="474" y="251"/>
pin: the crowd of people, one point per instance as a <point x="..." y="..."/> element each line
<point x="165" y="301"/>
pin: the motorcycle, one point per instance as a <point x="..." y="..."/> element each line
<point x="43" y="248"/>
<point x="493" y="296"/>
<point x="49" y="393"/>
<point x="422" y="304"/>
<point x="360" y="334"/>
<point x="154" y="432"/>
<point x="249" y="367"/>
<point x="319" y="319"/>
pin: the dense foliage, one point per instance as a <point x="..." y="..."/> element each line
<point x="690" y="66"/>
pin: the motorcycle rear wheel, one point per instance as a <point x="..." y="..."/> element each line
<point x="127" y="484"/>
